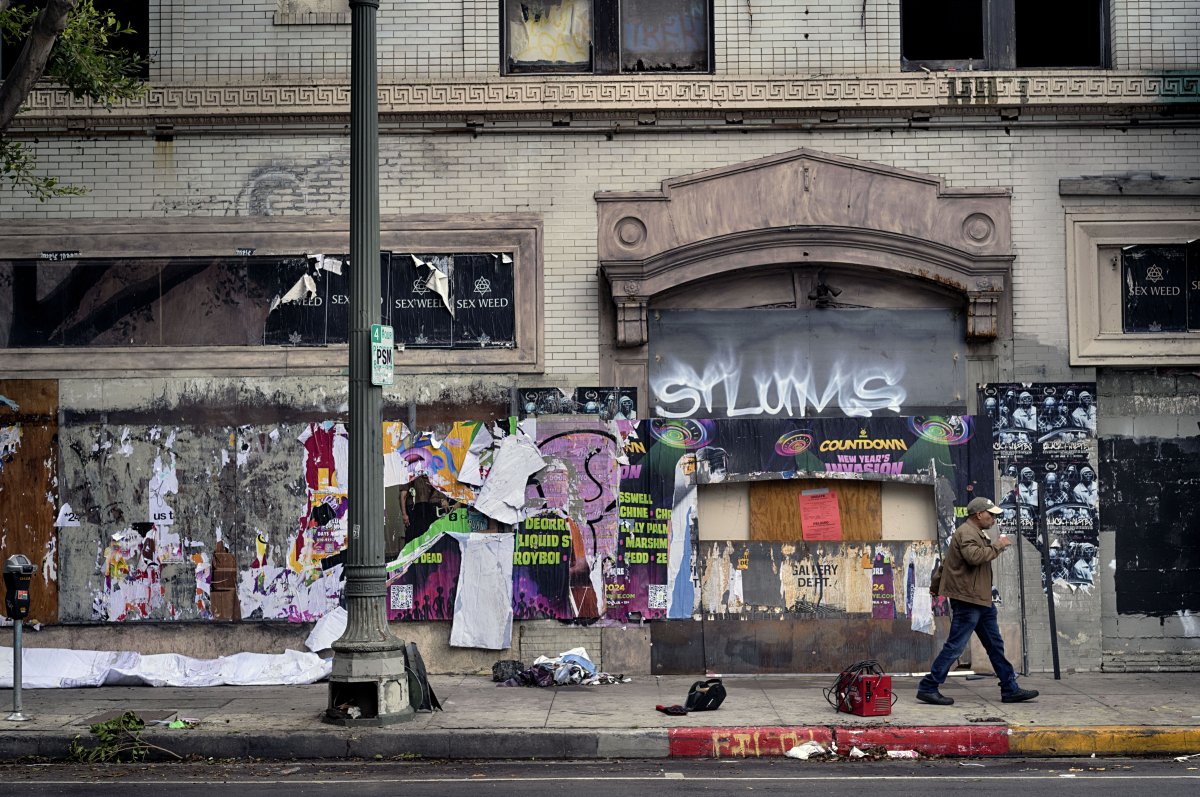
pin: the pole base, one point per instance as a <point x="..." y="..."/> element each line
<point x="17" y="716"/>
<point x="368" y="689"/>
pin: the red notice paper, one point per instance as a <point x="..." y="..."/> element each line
<point x="820" y="518"/>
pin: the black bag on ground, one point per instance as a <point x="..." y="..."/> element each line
<point x="420" y="693"/>
<point x="505" y="669"/>
<point x="706" y="695"/>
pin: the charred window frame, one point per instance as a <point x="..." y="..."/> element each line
<point x="1004" y="34"/>
<point x="606" y="37"/>
<point x="134" y="14"/>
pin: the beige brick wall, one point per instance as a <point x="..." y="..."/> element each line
<point x="557" y="175"/>
<point x="1155" y="34"/>
<point x="207" y="42"/>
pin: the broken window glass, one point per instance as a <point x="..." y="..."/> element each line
<point x="607" y="36"/>
<point x="664" y="35"/>
<point x="548" y="35"/>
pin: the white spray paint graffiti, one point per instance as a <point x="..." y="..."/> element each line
<point x="790" y="390"/>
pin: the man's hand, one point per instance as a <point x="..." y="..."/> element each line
<point x="1004" y="541"/>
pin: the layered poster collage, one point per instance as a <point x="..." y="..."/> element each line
<point x="1044" y="442"/>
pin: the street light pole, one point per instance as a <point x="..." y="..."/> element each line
<point x="368" y="685"/>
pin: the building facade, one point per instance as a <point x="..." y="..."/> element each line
<point x="731" y="259"/>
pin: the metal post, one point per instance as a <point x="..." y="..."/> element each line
<point x="368" y="685"/>
<point x="16" y="715"/>
<point x="1008" y="489"/>
<point x="1048" y="577"/>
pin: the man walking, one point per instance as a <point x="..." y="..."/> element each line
<point x="967" y="581"/>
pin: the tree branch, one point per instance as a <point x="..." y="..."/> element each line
<point x="31" y="63"/>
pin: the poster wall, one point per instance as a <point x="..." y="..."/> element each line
<point x="1044" y="442"/>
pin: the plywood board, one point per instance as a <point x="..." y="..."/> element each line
<point x="724" y="511"/>
<point x="29" y="426"/>
<point x="908" y="512"/>
<point x="775" y="508"/>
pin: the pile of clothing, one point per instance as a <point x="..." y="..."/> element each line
<point x="571" y="667"/>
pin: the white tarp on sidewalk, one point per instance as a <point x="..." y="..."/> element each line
<point x="58" y="668"/>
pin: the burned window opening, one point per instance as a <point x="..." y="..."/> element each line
<point x="606" y="36"/>
<point x="1003" y="34"/>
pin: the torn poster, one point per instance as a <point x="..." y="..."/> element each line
<point x="483" y="612"/>
<point x="439" y="282"/>
<point x="407" y="456"/>
<point x="502" y="496"/>
<point x="67" y="517"/>
<point x="423" y="578"/>
<point x="305" y="288"/>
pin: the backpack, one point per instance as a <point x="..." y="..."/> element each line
<point x="706" y="695"/>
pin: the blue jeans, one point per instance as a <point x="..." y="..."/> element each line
<point x="968" y="618"/>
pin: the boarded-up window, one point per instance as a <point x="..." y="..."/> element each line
<point x="1160" y="288"/>
<point x="252" y="301"/>
<point x="770" y="510"/>
<point x="775" y="508"/>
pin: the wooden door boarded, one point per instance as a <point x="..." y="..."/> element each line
<point x="775" y="508"/>
<point x="29" y="440"/>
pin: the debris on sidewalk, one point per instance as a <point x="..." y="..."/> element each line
<point x="507" y="668"/>
<point x="856" y="753"/>
<point x="806" y="751"/>
<point x="571" y="667"/>
<point x="1187" y="757"/>
<point x="903" y="754"/>
<point x="57" y="668"/>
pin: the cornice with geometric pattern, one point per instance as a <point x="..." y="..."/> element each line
<point x="942" y="92"/>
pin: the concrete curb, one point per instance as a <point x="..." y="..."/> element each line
<point x="761" y="742"/>
<point x="702" y="742"/>
<point x="1105" y="740"/>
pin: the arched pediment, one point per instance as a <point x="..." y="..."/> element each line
<point x="804" y="207"/>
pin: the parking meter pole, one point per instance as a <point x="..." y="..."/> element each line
<point x="16" y="715"/>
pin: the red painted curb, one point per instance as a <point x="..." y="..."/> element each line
<point x="973" y="740"/>
<point x="770" y="741"/>
<point x="752" y="742"/>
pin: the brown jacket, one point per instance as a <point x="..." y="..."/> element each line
<point x="967" y="568"/>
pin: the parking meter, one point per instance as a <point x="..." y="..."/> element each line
<point x="18" y="572"/>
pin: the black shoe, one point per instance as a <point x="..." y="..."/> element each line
<point x="937" y="698"/>
<point x="1019" y="696"/>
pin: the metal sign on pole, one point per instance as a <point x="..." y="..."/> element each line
<point x="383" y="344"/>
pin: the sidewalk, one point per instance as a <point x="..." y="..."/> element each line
<point x="1119" y="714"/>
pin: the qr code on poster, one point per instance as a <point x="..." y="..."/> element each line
<point x="400" y="598"/>
<point x="657" y="597"/>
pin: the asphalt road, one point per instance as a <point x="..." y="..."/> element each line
<point x="1031" y="778"/>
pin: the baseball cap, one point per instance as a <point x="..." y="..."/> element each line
<point x="982" y="504"/>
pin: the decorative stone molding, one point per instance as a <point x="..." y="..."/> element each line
<point x="1081" y="91"/>
<point x="982" y="316"/>
<point x="804" y="207"/>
